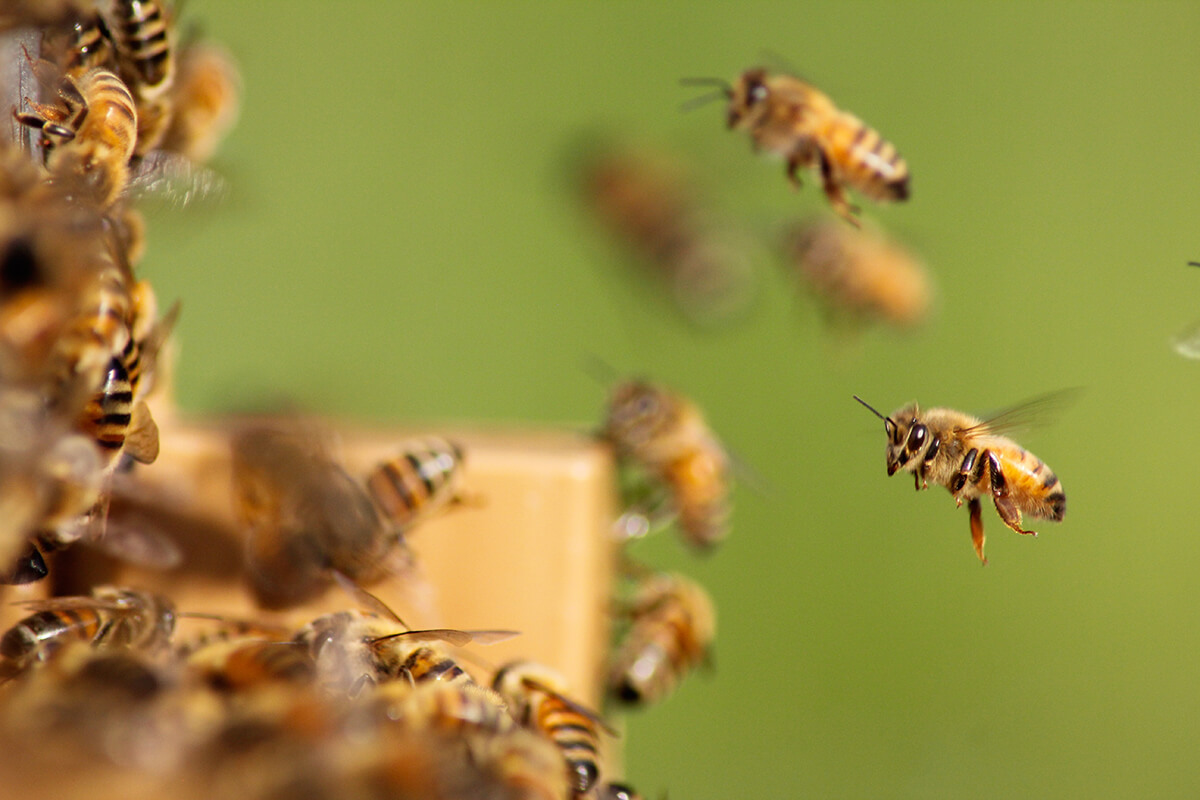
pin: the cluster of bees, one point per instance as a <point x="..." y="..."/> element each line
<point x="149" y="699"/>
<point x="140" y="698"/>
<point x="860" y="275"/>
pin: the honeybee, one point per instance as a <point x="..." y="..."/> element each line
<point x="249" y="662"/>
<point x="89" y="137"/>
<point x="651" y="209"/>
<point x="971" y="458"/>
<point x="457" y="707"/>
<point x="144" y="36"/>
<point x="111" y="617"/>
<point x="353" y="648"/>
<point x="305" y="516"/>
<point x="524" y="762"/>
<point x="536" y="697"/>
<point x="861" y="274"/>
<point x="665" y="435"/>
<point x="205" y="99"/>
<point x="423" y="478"/>
<point x="672" y="630"/>
<point x="788" y="117"/>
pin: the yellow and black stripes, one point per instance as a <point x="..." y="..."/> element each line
<point x="420" y="479"/>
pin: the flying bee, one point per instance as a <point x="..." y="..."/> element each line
<point x="860" y="274"/>
<point x="672" y="630"/>
<point x="305" y="517"/>
<point x="205" y="99"/>
<point x="89" y="136"/>
<point x="665" y="435"/>
<point x="144" y="36"/>
<point x="650" y="208"/>
<point x="536" y="697"/>
<point x="971" y="458"/>
<point x="423" y="478"/>
<point x="788" y="117"/>
<point x="111" y="617"/>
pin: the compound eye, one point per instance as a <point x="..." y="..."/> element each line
<point x="916" y="438"/>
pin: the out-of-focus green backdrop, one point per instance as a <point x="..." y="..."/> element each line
<point x="401" y="246"/>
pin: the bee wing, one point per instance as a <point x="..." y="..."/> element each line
<point x="369" y="601"/>
<point x="69" y="604"/>
<point x="176" y="180"/>
<point x="1035" y="412"/>
<point x="138" y="544"/>
<point x="1187" y="342"/>
<point x="594" y="716"/>
<point x="491" y="637"/>
<point x="448" y="635"/>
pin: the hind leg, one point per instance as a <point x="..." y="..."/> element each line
<point x="977" y="537"/>
<point x="1005" y="507"/>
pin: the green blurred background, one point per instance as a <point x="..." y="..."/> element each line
<point x="401" y="246"/>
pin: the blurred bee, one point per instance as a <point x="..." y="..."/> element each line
<point x="423" y="478"/>
<point x="862" y="275"/>
<point x="971" y="458"/>
<point x="144" y="38"/>
<point x="353" y="648"/>
<point x="651" y="209"/>
<point x="306" y="518"/>
<point x="1187" y="343"/>
<point x="112" y="618"/>
<point x="461" y="707"/>
<point x="522" y="761"/>
<point x="788" y="117"/>
<point x="536" y="697"/>
<point x="250" y="662"/>
<point x="672" y="630"/>
<point x="89" y="136"/>
<point x="205" y="99"/>
<point x="618" y="791"/>
<point x="665" y="435"/>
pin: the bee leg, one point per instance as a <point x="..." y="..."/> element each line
<point x="977" y="537"/>
<point x="1005" y="507"/>
<point x="919" y="475"/>
<point x="794" y="162"/>
<point x="966" y="470"/>
<point x="836" y="194"/>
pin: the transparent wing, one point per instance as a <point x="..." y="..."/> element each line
<point x="1036" y="412"/>
<point x="1187" y="342"/>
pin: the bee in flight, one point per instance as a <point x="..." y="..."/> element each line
<point x="859" y="275"/>
<point x="971" y="458"/>
<point x="665" y="435"/>
<point x="788" y="117"/>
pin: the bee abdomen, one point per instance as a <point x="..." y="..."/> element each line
<point x="109" y="413"/>
<point x="141" y="30"/>
<point x="576" y="737"/>
<point x="872" y="164"/>
<point x="416" y="481"/>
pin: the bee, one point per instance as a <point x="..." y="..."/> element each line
<point x="423" y="478"/>
<point x="525" y="763"/>
<point x="205" y="100"/>
<point x="353" y="648"/>
<point x="860" y="274"/>
<point x="536" y="697"/>
<point x="790" y="118"/>
<point x="111" y="617"/>
<point x="89" y="136"/>
<point x="970" y="457"/>
<point x="665" y="434"/>
<point x="460" y="707"/>
<point x="247" y="662"/>
<point x="672" y="630"/>
<point x="144" y="37"/>
<point x="651" y="209"/>
<point x="306" y="517"/>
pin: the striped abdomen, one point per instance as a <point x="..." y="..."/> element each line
<point x="106" y="136"/>
<point x="453" y="707"/>
<point x="38" y="635"/>
<point x="700" y="487"/>
<point x="426" y="664"/>
<point x="143" y="35"/>
<point x="108" y="413"/>
<point x="422" y="478"/>
<point x="673" y="626"/>
<point x="574" y="734"/>
<point x="1034" y="487"/>
<point x="100" y="332"/>
<point x="864" y="159"/>
<point x="90" y="45"/>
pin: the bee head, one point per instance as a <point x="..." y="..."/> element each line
<point x="748" y="98"/>
<point x="637" y="411"/>
<point x="907" y="436"/>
